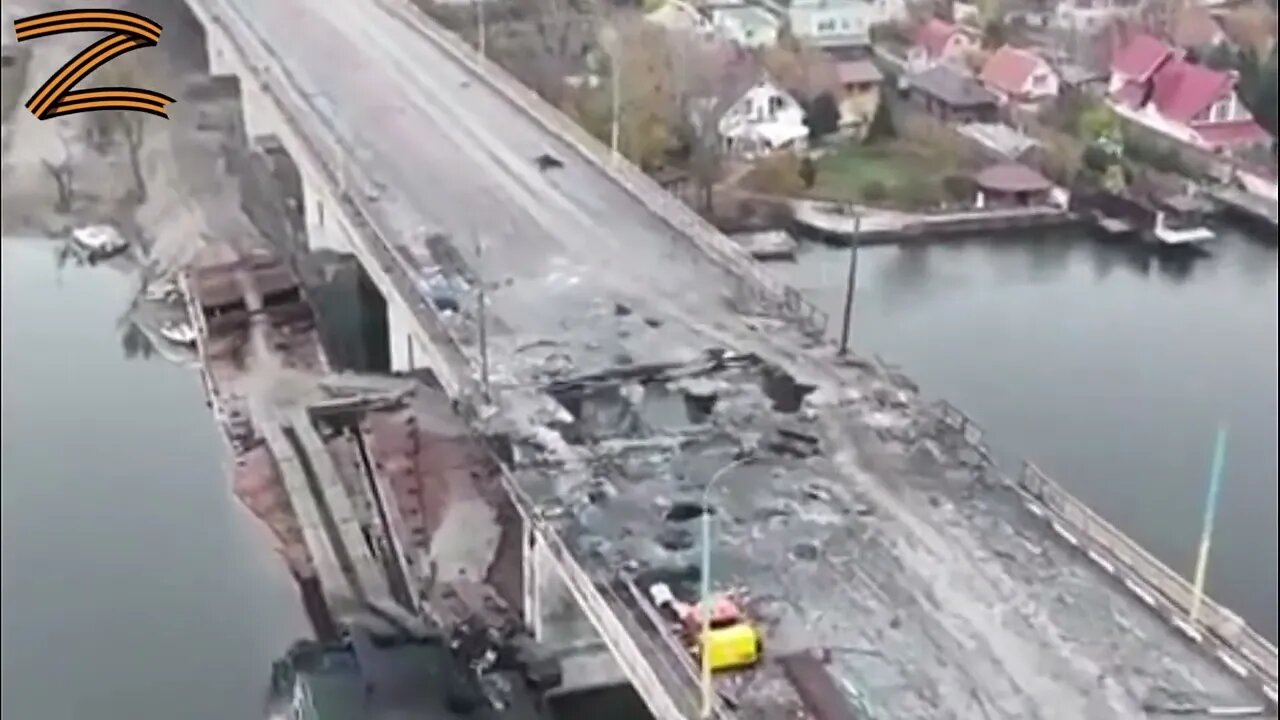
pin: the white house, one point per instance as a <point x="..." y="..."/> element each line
<point x="938" y="42"/>
<point x="681" y="16"/>
<point x="1019" y="76"/>
<point x="747" y="26"/>
<point x="765" y="118"/>
<point x="826" y="23"/>
<point x="1092" y="15"/>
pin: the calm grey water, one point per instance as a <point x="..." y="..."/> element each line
<point x="134" y="586"/>
<point x="1109" y="372"/>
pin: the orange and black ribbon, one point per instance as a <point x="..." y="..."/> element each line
<point x="129" y="32"/>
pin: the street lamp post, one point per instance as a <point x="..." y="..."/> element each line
<point x="707" y="691"/>
<point x="482" y="317"/>
<point x="480" y="26"/>
<point x="615" y="66"/>
<point x="852" y="282"/>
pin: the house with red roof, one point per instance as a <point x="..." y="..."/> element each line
<point x="1155" y="85"/>
<point x="939" y="41"/>
<point x="1019" y="76"/>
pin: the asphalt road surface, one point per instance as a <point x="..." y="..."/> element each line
<point x="561" y="247"/>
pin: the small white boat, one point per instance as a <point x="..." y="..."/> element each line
<point x="179" y="333"/>
<point x="163" y="292"/>
<point x="99" y="241"/>
<point x="1177" y="229"/>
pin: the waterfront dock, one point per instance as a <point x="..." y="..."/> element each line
<point x="1247" y="206"/>
<point x="830" y="223"/>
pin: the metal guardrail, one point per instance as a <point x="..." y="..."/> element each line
<point x="755" y="284"/>
<point x="1218" y="630"/>
<point x="683" y="665"/>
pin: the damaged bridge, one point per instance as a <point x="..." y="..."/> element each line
<point x="612" y="355"/>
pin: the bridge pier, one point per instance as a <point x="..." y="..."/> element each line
<point x="406" y="352"/>
<point x="557" y="623"/>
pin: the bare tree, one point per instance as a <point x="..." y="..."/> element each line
<point x="132" y="127"/>
<point x="705" y="82"/>
<point x="103" y="129"/>
<point x="548" y="42"/>
<point x="63" y="171"/>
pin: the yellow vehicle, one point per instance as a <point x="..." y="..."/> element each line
<point x="731" y="640"/>
<point x="733" y="646"/>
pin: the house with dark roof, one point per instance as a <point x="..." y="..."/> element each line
<point x="1020" y="76"/>
<point x="1155" y="85"/>
<point x="938" y="41"/>
<point x="951" y="95"/>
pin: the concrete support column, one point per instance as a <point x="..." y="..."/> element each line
<point x="407" y="354"/>
<point x="219" y="54"/>
<point x="531" y="582"/>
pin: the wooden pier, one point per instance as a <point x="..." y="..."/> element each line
<point x="885" y="228"/>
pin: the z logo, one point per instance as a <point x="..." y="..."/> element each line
<point x="128" y="32"/>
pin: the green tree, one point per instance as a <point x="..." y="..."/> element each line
<point x="1098" y="123"/>
<point x="808" y="172"/>
<point x="882" y="127"/>
<point x="823" y="117"/>
<point x="994" y="34"/>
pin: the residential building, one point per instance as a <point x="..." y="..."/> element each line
<point x="1155" y="85"/>
<point x="682" y="16"/>
<point x="860" y="94"/>
<point x="827" y="23"/>
<point x="1093" y="15"/>
<point x="1019" y="76"/>
<point x="938" y="41"/>
<point x="763" y="119"/>
<point x="952" y="96"/>
<point x="747" y="26"/>
<point x="1011" y="185"/>
<point x="1001" y="142"/>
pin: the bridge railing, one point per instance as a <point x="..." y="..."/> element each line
<point x="1217" y="629"/>
<point x="755" y="285"/>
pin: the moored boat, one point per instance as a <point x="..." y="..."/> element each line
<point x="98" y="242"/>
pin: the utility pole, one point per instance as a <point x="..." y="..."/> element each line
<point x="480" y="26"/>
<point x="615" y="64"/>
<point x="482" y="317"/>
<point x="852" y="282"/>
<point x="1206" y="536"/>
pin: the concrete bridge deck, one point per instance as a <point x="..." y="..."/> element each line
<point x="941" y="595"/>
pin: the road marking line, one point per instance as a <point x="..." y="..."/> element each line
<point x="1142" y="593"/>
<point x="1064" y="533"/>
<point x="1236" y="666"/>
<point x="1101" y="561"/>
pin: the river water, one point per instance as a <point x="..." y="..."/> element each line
<point x="134" y="586"/>
<point x="1108" y="370"/>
